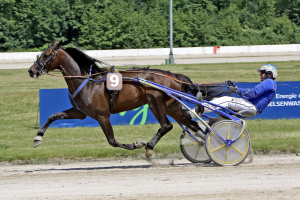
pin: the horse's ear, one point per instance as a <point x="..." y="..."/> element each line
<point x="57" y="45"/>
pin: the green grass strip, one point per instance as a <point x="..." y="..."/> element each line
<point x="19" y="108"/>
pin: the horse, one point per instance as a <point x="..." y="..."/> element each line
<point x="93" y="99"/>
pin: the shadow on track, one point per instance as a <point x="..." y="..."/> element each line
<point x="146" y="166"/>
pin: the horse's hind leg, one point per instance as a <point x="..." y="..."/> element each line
<point x="72" y="113"/>
<point x="175" y="111"/>
<point x="157" y="107"/>
<point x="105" y="124"/>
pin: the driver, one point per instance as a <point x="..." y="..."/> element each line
<point x="255" y="99"/>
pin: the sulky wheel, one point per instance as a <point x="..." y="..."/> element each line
<point x="219" y="152"/>
<point x="193" y="150"/>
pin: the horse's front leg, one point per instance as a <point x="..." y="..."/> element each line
<point x="72" y="113"/>
<point x="105" y="124"/>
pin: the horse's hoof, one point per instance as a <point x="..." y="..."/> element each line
<point x="149" y="154"/>
<point x="140" y="144"/>
<point x="37" y="141"/>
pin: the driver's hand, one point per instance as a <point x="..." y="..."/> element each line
<point x="232" y="89"/>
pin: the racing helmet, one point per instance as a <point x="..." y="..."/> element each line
<point x="269" y="68"/>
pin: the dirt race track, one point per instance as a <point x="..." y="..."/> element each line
<point x="267" y="177"/>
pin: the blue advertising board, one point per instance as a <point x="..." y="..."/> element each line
<point x="286" y="104"/>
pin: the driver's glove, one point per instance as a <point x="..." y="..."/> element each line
<point x="232" y="89"/>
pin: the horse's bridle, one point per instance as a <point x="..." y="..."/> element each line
<point x="41" y="65"/>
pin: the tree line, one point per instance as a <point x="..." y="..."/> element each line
<point x="27" y="25"/>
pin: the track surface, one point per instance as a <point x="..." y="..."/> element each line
<point x="267" y="177"/>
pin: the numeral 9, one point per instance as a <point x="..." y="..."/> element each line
<point x="114" y="80"/>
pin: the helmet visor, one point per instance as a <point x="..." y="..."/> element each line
<point x="261" y="71"/>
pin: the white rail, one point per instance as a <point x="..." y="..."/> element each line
<point x="166" y="51"/>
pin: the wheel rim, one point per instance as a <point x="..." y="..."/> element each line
<point x="217" y="149"/>
<point x="192" y="149"/>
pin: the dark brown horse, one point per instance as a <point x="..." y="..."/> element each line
<point x="93" y="100"/>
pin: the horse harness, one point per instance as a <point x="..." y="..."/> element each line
<point x="72" y="96"/>
<point x="88" y="78"/>
<point x="41" y="69"/>
<point x="113" y="94"/>
<point x="41" y="65"/>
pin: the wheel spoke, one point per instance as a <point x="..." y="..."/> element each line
<point x="190" y="144"/>
<point x="197" y="152"/>
<point x="226" y="154"/>
<point x="236" y="149"/>
<point x="218" y="148"/>
<point x="228" y="131"/>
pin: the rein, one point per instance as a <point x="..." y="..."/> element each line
<point x="90" y="75"/>
<point x="84" y="76"/>
<point x="160" y="75"/>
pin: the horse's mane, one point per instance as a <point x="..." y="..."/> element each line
<point x="84" y="61"/>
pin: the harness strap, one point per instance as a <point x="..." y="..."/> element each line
<point x="43" y="63"/>
<point x="79" y="88"/>
<point x="112" y="93"/>
<point x="72" y="96"/>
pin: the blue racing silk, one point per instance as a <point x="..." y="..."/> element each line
<point x="261" y="95"/>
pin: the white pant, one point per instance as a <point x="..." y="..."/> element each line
<point x="232" y="103"/>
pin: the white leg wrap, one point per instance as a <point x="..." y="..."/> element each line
<point x="140" y="144"/>
<point x="37" y="141"/>
<point x="38" y="138"/>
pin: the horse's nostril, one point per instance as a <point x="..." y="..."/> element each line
<point x="30" y="71"/>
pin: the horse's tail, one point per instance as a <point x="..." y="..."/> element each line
<point x="188" y="86"/>
<point x="208" y="90"/>
<point x="212" y="90"/>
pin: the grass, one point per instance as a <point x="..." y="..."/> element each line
<point x="274" y="136"/>
<point x="19" y="108"/>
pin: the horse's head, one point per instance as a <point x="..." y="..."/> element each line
<point x="45" y="62"/>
